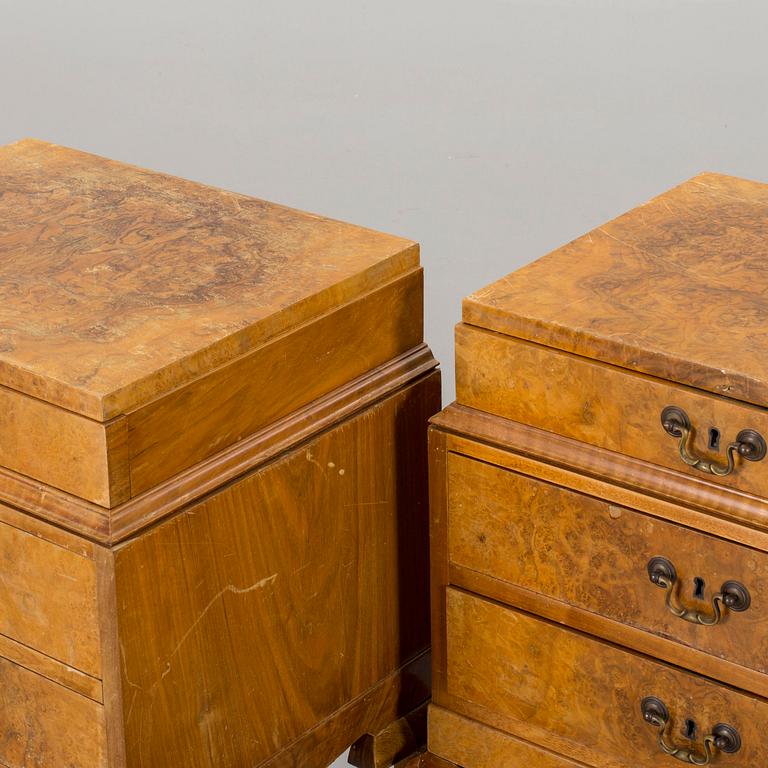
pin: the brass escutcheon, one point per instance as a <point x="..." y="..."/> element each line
<point x="722" y="738"/>
<point x="748" y="444"/>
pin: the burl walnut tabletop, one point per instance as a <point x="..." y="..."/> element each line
<point x="119" y="283"/>
<point x="677" y="288"/>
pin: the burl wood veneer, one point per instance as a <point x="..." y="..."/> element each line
<point x="599" y="497"/>
<point x="213" y="501"/>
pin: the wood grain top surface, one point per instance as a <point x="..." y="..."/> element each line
<point x="676" y="288"/>
<point x="118" y="284"/>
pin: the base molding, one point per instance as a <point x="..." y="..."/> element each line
<point x="467" y="743"/>
<point x="392" y="698"/>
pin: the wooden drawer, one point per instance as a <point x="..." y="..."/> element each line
<point x="594" y="555"/>
<point x="581" y="697"/>
<point x="603" y="405"/>
<point x="470" y="744"/>
<point x="44" y="725"/>
<point x="48" y="598"/>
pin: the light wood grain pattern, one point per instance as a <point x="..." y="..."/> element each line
<point x="662" y="492"/>
<point x="592" y="554"/>
<point x="676" y="288"/>
<point x="575" y="695"/>
<point x="43" y="530"/>
<point x="563" y="451"/>
<point x="45" y="725"/>
<point x="56" y="447"/>
<point x="54" y="670"/>
<point x="107" y="464"/>
<point x="268" y="443"/>
<point x="104" y="560"/>
<point x="111" y="526"/>
<point x="472" y="745"/>
<point x="599" y="404"/>
<point x="73" y="514"/>
<point x="118" y="284"/>
<point x="626" y="635"/>
<point x="210" y="414"/>
<point x="48" y="599"/>
<point x="261" y="611"/>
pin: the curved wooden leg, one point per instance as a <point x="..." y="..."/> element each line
<point x="397" y="741"/>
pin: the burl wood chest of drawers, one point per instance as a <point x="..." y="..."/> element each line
<point x="213" y="512"/>
<point x="599" y="513"/>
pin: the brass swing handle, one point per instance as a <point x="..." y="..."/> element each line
<point x="732" y="595"/>
<point x="722" y="738"/>
<point x="749" y="444"/>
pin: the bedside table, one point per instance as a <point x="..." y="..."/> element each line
<point x="213" y="520"/>
<point x="599" y="513"/>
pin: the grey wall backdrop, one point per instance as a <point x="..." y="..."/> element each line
<point x="491" y="131"/>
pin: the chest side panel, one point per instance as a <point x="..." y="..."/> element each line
<point x="256" y="614"/>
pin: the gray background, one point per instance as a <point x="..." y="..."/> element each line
<point x="489" y="131"/>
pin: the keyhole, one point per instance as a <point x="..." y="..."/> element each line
<point x="714" y="438"/>
<point x="698" y="588"/>
<point x="690" y="729"/>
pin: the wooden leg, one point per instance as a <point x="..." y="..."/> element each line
<point x="398" y="740"/>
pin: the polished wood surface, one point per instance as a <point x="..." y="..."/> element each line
<point x="626" y="635"/>
<point x="58" y="447"/>
<point x="148" y="322"/>
<point x="48" y="599"/>
<point x="119" y="284"/>
<point x="111" y="526"/>
<point x="381" y="705"/>
<point x="449" y="446"/>
<point x="112" y="463"/>
<point x="600" y="404"/>
<point x="213" y="476"/>
<point x="554" y="484"/>
<point x="591" y="554"/>
<point x="675" y="288"/>
<point x="45" y="725"/>
<point x="262" y="610"/>
<point x="50" y="668"/>
<point x="473" y="745"/>
<point x="206" y="416"/>
<point x="108" y="464"/>
<point x="264" y="445"/>
<point x="581" y="697"/>
<point x="692" y="501"/>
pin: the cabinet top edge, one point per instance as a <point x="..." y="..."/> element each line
<point x="119" y="283"/>
<point x="676" y="288"/>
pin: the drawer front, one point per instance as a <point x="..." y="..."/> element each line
<point x="48" y="599"/>
<point x="470" y="744"/>
<point x="604" y="405"/>
<point x="595" y="555"/>
<point x="44" y="725"/>
<point x="584" y="697"/>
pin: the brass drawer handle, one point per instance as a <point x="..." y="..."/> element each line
<point x="733" y="595"/>
<point x="749" y="444"/>
<point x="722" y="738"/>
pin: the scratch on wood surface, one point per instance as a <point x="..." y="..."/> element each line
<point x="229" y="588"/>
<point x="260" y="584"/>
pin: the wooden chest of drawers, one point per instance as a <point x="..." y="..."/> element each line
<point x="600" y="499"/>
<point x="213" y="523"/>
